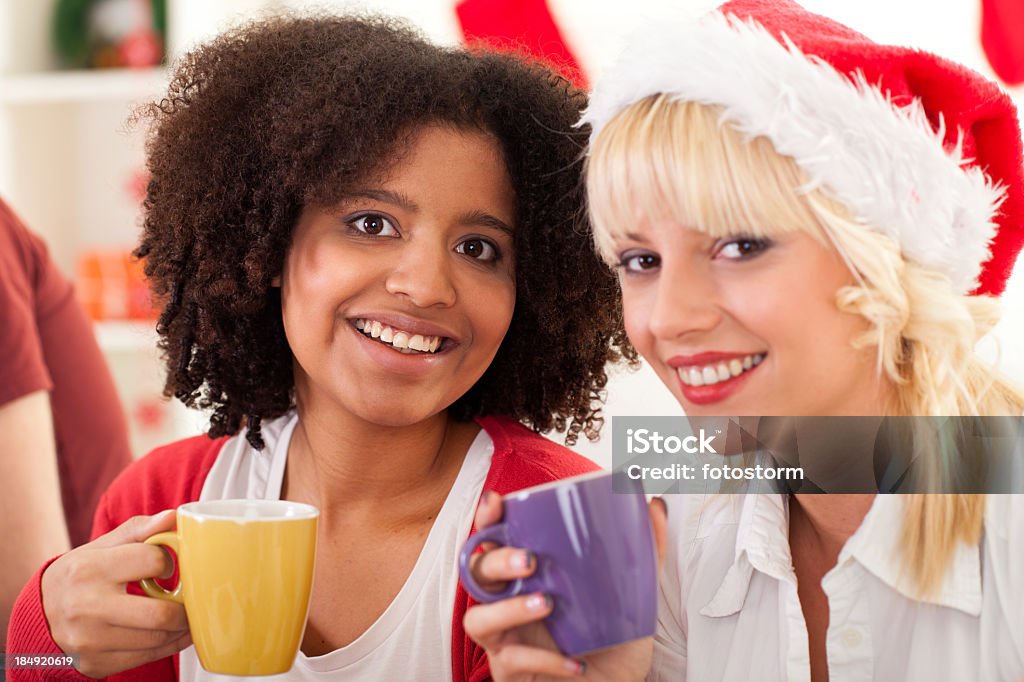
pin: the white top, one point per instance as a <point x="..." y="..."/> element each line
<point x="729" y="608"/>
<point x="412" y="639"/>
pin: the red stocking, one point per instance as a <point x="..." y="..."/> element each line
<point x="1002" y="36"/>
<point x="519" y="24"/>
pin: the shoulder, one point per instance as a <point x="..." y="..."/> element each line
<point x="165" y="478"/>
<point x="18" y="242"/>
<point x="703" y="530"/>
<point x="1004" y="524"/>
<point x="26" y="260"/>
<point x="523" y="458"/>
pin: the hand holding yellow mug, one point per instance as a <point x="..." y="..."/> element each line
<point x="246" y="573"/>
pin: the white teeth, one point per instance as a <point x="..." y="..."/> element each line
<point x="712" y="374"/>
<point x="723" y="372"/>
<point x="400" y="340"/>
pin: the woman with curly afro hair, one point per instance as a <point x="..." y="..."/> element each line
<point x="375" y="279"/>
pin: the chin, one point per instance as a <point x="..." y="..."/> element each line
<point x="398" y="418"/>
<point x="404" y="410"/>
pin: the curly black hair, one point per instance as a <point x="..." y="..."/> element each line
<point x="291" y="111"/>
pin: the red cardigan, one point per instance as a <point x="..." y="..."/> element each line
<point x="174" y="474"/>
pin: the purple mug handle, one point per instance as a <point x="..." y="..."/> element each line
<point x="498" y="534"/>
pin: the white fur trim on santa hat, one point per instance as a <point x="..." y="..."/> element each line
<point x="884" y="163"/>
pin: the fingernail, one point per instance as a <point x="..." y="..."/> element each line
<point x="578" y="668"/>
<point x="522" y="560"/>
<point x="160" y="516"/>
<point x="538" y="602"/>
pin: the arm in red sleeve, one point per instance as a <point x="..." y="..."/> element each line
<point x="164" y="479"/>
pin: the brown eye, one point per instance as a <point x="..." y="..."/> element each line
<point x="639" y="262"/>
<point x="373" y="224"/>
<point x="478" y="249"/>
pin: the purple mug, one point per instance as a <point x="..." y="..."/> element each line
<point x="595" y="558"/>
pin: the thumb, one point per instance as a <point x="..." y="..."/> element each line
<point x="137" y="529"/>
<point x="489" y="510"/>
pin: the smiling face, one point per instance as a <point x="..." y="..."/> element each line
<point x="730" y="286"/>
<point x="396" y="300"/>
<point x="742" y="325"/>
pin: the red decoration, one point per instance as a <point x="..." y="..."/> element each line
<point x="136" y="184"/>
<point x="1002" y="36"/>
<point x="516" y="25"/>
<point x="140" y="49"/>
<point x="150" y="414"/>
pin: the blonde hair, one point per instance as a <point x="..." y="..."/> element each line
<point x="667" y="160"/>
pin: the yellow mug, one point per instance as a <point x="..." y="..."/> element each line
<point x="246" y="573"/>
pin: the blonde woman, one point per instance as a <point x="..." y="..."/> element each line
<point x="808" y="223"/>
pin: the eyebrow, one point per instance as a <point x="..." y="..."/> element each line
<point x="484" y="219"/>
<point x="471" y="218"/>
<point x="386" y="196"/>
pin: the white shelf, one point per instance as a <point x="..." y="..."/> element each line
<point x="121" y="336"/>
<point x="70" y="167"/>
<point x="83" y="86"/>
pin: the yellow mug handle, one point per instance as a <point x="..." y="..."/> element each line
<point x="149" y="585"/>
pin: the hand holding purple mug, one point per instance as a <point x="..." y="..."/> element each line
<point x="519" y="644"/>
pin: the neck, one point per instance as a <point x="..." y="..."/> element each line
<point x="827" y="521"/>
<point x="838" y="453"/>
<point x="336" y="459"/>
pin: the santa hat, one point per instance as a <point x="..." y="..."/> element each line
<point x="915" y="146"/>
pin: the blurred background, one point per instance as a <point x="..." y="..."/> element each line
<point x="72" y="70"/>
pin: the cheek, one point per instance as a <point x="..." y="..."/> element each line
<point x="838" y="351"/>
<point x="818" y="340"/>
<point x="311" y="299"/>
<point x="313" y="271"/>
<point x="493" y="305"/>
<point x="769" y="312"/>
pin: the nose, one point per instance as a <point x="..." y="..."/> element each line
<point x="685" y="302"/>
<point x="423" y="275"/>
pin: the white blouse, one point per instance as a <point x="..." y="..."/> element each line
<point x="412" y="639"/>
<point x="729" y="608"/>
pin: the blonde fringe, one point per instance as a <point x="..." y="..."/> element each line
<point x="923" y="331"/>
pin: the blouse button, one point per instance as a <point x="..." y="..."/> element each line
<point x="852" y="638"/>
